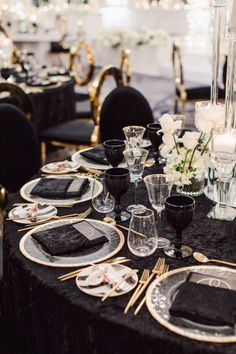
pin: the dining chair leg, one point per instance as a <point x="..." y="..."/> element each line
<point x="43" y="153"/>
<point x="176" y="105"/>
<point x="183" y="111"/>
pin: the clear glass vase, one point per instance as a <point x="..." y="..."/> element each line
<point x="194" y="189"/>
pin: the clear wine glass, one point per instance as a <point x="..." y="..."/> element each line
<point x="135" y="159"/>
<point x="134" y="135"/>
<point x="179" y="213"/>
<point x="142" y="235"/>
<point x="158" y="187"/>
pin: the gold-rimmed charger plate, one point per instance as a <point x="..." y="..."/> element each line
<point x="32" y="250"/>
<point x="83" y="161"/>
<point x="27" y="188"/>
<point x="160" y="295"/>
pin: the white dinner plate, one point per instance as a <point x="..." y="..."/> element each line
<point x="21" y="214"/>
<point x="27" y="188"/>
<point x="57" y="168"/>
<point x="98" y="279"/>
<point x="83" y="161"/>
<point x="32" y="250"/>
<point x="161" y="294"/>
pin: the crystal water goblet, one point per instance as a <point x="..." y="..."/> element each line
<point x="158" y="187"/>
<point x="117" y="181"/>
<point x="142" y="235"/>
<point x="135" y="159"/>
<point x="179" y="213"/>
<point x="134" y="135"/>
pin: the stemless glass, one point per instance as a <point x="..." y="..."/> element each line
<point x="142" y="235"/>
<point x="103" y="202"/>
<point x="135" y="159"/>
<point x="117" y="182"/>
<point x="156" y="140"/>
<point x="114" y="151"/>
<point x="179" y="213"/>
<point x="134" y="135"/>
<point x="158" y="188"/>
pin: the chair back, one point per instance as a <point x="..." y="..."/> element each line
<point x="122" y="107"/>
<point x="19" y="146"/>
<point x="76" y="65"/>
<point x="95" y="95"/>
<point x="177" y="65"/>
<point x="125" y="66"/>
<point x="22" y="99"/>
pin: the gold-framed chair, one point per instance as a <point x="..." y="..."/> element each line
<point x="125" y="66"/>
<point x="79" y="133"/>
<point x="184" y="95"/>
<point x="76" y="66"/>
<point x="22" y="99"/>
<point x="83" y="75"/>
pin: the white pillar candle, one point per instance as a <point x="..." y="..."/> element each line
<point x="224" y="143"/>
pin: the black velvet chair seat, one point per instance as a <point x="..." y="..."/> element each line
<point x="82" y="105"/>
<point x="201" y="93"/>
<point x="57" y="47"/>
<point x="74" y="132"/>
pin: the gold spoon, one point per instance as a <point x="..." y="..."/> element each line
<point x="200" y="257"/>
<point x="149" y="163"/>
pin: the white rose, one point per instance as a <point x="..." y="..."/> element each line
<point x="190" y="140"/>
<point x="168" y="125"/>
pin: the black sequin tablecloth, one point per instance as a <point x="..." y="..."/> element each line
<point x="54" y="317"/>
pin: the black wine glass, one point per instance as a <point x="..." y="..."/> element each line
<point x="114" y="151"/>
<point x="179" y="213"/>
<point x="156" y="140"/>
<point x="117" y="181"/>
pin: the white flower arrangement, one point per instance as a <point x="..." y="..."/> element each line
<point x="187" y="157"/>
<point x="115" y="37"/>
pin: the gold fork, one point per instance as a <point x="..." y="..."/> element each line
<point x="159" y="265"/>
<point x="164" y="269"/>
<point x="73" y="274"/>
<point x="142" y="280"/>
<point x="82" y="215"/>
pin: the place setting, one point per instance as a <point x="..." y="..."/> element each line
<point x="60" y="190"/>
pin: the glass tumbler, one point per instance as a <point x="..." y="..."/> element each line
<point x="142" y="235"/>
<point x="102" y="202"/>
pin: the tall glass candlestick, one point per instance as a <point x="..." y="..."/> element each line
<point x="230" y="96"/>
<point x="217" y="6"/>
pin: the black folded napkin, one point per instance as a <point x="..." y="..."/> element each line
<point x="70" y="238"/>
<point x="96" y="154"/>
<point x="205" y="304"/>
<point x="62" y="188"/>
